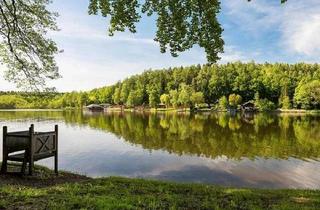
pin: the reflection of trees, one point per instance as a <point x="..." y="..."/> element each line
<point x="211" y="135"/>
<point x="307" y="133"/>
<point x="216" y="134"/>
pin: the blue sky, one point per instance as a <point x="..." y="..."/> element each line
<point x="263" y="31"/>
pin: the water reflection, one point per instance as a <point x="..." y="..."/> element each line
<point x="214" y="135"/>
<point x="264" y="150"/>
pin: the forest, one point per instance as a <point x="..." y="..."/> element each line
<point x="269" y="86"/>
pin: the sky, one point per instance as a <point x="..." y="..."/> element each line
<point x="260" y="31"/>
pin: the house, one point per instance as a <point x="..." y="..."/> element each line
<point x="248" y="107"/>
<point x="95" y="108"/>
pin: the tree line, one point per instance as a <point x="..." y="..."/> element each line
<point x="213" y="135"/>
<point x="270" y="86"/>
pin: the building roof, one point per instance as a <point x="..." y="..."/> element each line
<point x="248" y="103"/>
<point x="94" y="106"/>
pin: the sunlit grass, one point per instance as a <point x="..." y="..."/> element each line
<point x="123" y="193"/>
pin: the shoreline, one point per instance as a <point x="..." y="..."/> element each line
<point x="168" y="110"/>
<point x="73" y="191"/>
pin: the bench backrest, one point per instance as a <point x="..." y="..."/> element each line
<point x="37" y="143"/>
<point x="44" y="143"/>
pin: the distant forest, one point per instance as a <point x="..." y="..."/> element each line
<point x="224" y="85"/>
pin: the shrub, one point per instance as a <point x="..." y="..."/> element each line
<point x="265" y="105"/>
<point x="223" y="103"/>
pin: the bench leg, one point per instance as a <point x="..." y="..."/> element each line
<point x="31" y="164"/>
<point x="24" y="164"/>
<point x="4" y="166"/>
<point x="23" y="167"/>
<point x="56" y="163"/>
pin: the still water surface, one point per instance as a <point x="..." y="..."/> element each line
<point x="262" y="151"/>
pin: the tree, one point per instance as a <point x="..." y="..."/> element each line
<point x="132" y="99"/>
<point x="284" y="100"/>
<point x="285" y="103"/>
<point x="124" y="92"/>
<point x="81" y="99"/>
<point x="29" y="55"/>
<point x="307" y="96"/>
<point x="184" y="95"/>
<point x="234" y="100"/>
<point x="180" y="24"/>
<point x="256" y="99"/>
<point x="153" y="97"/>
<point x="165" y="99"/>
<point x="265" y="105"/>
<point x="223" y="103"/>
<point x="174" y="98"/>
<point x="24" y="49"/>
<point x="197" y="98"/>
<point x="116" y="96"/>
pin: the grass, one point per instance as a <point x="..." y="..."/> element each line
<point x="71" y="191"/>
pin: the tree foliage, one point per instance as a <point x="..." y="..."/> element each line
<point x="234" y="100"/>
<point x="180" y="24"/>
<point x="308" y="95"/>
<point x="188" y="86"/>
<point x="165" y="99"/>
<point x="27" y="54"/>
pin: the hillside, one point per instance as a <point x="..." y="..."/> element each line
<point x="274" y="85"/>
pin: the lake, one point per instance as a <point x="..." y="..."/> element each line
<point x="261" y="151"/>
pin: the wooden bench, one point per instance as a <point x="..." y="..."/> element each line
<point x="29" y="146"/>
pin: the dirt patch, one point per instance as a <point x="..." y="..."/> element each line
<point x="301" y="200"/>
<point x="42" y="177"/>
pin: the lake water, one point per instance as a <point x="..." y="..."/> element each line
<point x="261" y="151"/>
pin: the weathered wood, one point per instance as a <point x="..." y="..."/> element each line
<point x="30" y="156"/>
<point x="4" y="165"/>
<point x="56" y="153"/>
<point x="36" y="146"/>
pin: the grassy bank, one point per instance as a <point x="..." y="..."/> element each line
<point x="70" y="191"/>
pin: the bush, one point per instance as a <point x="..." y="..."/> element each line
<point x="285" y="103"/>
<point x="265" y="105"/>
<point x="223" y="103"/>
<point x="234" y="100"/>
<point x="12" y="102"/>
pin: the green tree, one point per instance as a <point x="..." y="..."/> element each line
<point x="223" y="103"/>
<point x="180" y="24"/>
<point x="265" y="105"/>
<point x="174" y="98"/>
<point x="184" y="95"/>
<point x="132" y="99"/>
<point x="285" y="103"/>
<point x="29" y="55"/>
<point x="307" y="95"/>
<point x="82" y="98"/>
<point x="165" y="99"/>
<point x="116" y="96"/>
<point x="25" y="50"/>
<point x="234" y="100"/>
<point x="256" y="99"/>
<point x="197" y="98"/>
<point x="125" y="89"/>
<point x="284" y="100"/>
<point x="153" y="98"/>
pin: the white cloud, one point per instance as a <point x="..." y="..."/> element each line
<point x="231" y="54"/>
<point x="92" y="28"/>
<point x="301" y="33"/>
<point x="298" y="23"/>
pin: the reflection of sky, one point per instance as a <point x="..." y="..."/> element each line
<point x="96" y="153"/>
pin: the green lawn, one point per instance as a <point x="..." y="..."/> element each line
<point x="70" y="191"/>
